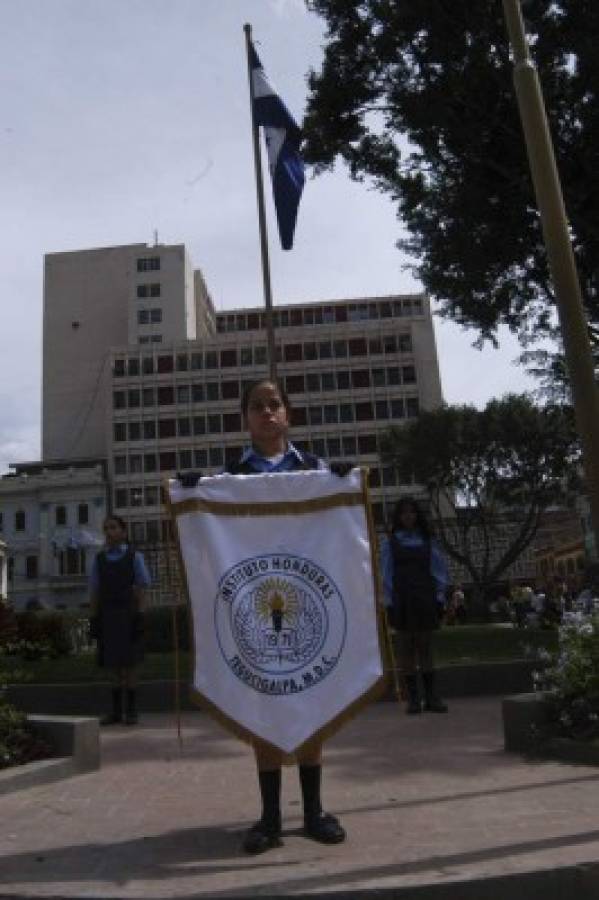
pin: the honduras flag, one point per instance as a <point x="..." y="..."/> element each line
<point x="283" y="136"/>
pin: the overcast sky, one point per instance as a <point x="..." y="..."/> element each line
<point x="119" y="117"/>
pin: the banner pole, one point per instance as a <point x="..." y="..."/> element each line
<point x="268" y="317"/>
<point x="175" y="630"/>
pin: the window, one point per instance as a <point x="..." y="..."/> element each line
<point x="375" y="346"/>
<point x="164" y="364"/>
<point x="182" y="362"/>
<point x="136" y="496"/>
<point x="231" y="422"/>
<point x="374" y="477"/>
<point x="119" y="368"/>
<point x="119" y="431"/>
<point x="197" y="360"/>
<point x="230" y="390"/>
<point x="310" y="351"/>
<point x="315" y="414"/>
<point x="328" y="315"/>
<point x="294" y="384"/>
<point x="382" y="409"/>
<point x="184" y="427"/>
<point x="388" y="476"/>
<point x="121" y="497"/>
<point x="155" y="289"/>
<point x="328" y="381"/>
<point x="240" y="322"/>
<point x="366" y="443"/>
<point x="343" y="382"/>
<point x="166" y="428"/>
<point x="385" y="310"/>
<point x="228" y="358"/>
<point x="333" y="447"/>
<point x="358" y="347"/>
<point x="31" y="567"/>
<point x="211" y="359"/>
<point x="149" y="427"/>
<point x="313" y="382"/>
<point x="133" y="398"/>
<point x="397" y="409"/>
<point x="150" y="462"/>
<point x="412" y="407"/>
<point x="340" y="349"/>
<point x="133" y="366"/>
<point x="152" y="531"/>
<point x="341" y="314"/>
<point x="200" y="458"/>
<point x="360" y="378"/>
<point x="409" y="375"/>
<point x="166" y="395"/>
<point x="199" y="424"/>
<point x="148" y="264"/>
<point x="118" y="400"/>
<point x="346" y="412"/>
<point x="212" y="391"/>
<point x="253" y="321"/>
<point x="143" y="316"/>
<point x="60" y="515"/>
<point x="120" y="465"/>
<point x="350" y="447"/>
<point x="363" y="412"/>
<point x="246" y="356"/>
<point x="168" y="461"/>
<point x="324" y="350"/>
<point x="405" y="343"/>
<point x="197" y="393"/>
<point x="393" y="376"/>
<point x="147" y="365"/>
<point x="155" y="316"/>
<point x="185" y="459"/>
<point x="135" y="462"/>
<point x="144" y="339"/>
<point x="134" y="431"/>
<point x="331" y="415"/>
<point x="83" y="514"/>
<point x="298" y="416"/>
<point x="390" y="344"/>
<point x="293" y="352"/>
<point x="378" y="377"/>
<point x="214" y="424"/>
<point x="151" y="495"/>
<point x="260" y="356"/>
<point x="295" y="317"/>
<point x="319" y="447"/>
<point x="215" y="456"/>
<point x="183" y="393"/>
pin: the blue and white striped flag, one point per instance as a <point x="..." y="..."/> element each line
<point x="283" y="137"/>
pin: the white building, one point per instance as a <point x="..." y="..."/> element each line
<point x="97" y="299"/>
<point x="51" y="519"/>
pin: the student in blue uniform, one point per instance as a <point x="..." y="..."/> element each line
<point x="414" y="578"/>
<point x="266" y="413"/>
<point x="118" y="579"/>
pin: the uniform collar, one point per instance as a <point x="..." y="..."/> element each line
<point x="250" y="453"/>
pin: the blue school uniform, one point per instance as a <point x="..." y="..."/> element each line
<point x="415" y="577"/>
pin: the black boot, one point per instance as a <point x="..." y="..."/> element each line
<point x="131" y="714"/>
<point x="414" y="705"/>
<point x="116" y="715"/>
<point x="432" y="703"/>
<point x="318" y="825"/>
<point x="266" y="833"/>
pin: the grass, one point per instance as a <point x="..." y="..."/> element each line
<point x="460" y="644"/>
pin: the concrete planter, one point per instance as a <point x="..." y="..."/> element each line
<point x="525" y="712"/>
<point x="76" y="743"/>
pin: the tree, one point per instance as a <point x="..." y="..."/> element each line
<point x="417" y="95"/>
<point x="504" y="464"/>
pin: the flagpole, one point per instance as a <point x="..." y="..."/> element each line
<point x="570" y="308"/>
<point x="270" y="332"/>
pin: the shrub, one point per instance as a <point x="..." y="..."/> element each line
<point x="8" y="623"/>
<point x="18" y="742"/>
<point x="47" y="630"/>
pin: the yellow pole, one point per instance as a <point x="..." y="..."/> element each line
<point x="570" y="308"/>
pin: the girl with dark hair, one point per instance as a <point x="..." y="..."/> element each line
<point x="266" y="413"/>
<point x="117" y="581"/>
<point x="415" y="578"/>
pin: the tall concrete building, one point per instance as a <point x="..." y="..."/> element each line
<point x="97" y="299"/>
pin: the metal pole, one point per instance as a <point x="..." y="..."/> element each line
<point x="270" y="332"/>
<point x="570" y="308"/>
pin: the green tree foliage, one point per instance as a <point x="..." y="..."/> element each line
<point x="417" y="95"/>
<point x="483" y="469"/>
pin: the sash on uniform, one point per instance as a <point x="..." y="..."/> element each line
<point x="281" y="582"/>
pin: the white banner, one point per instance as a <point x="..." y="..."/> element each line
<point x="279" y="572"/>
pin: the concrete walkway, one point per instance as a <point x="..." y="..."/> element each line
<point x="427" y="801"/>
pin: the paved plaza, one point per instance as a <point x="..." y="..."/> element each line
<point x="427" y="801"/>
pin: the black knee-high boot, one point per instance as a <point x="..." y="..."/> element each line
<point x="321" y="826"/>
<point x="414" y="704"/>
<point x="131" y="713"/>
<point x="432" y="703"/>
<point x="266" y="833"/>
<point x="116" y="716"/>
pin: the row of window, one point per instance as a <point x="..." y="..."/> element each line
<point x="348" y="445"/>
<point x="148" y="264"/>
<point x="150" y="339"/>
<point x="257" y="356"/>
<point x="148" y="290"/>
<point x="149" y="316"/>
<point x="312" y="383"/>
<point x="60" y="517"/>
<point x="227" y="423"/>
<point x="321" y="315"/>
<point x="70" y="562"/>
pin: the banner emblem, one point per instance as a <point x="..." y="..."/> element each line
<point x="280" y="622"/>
